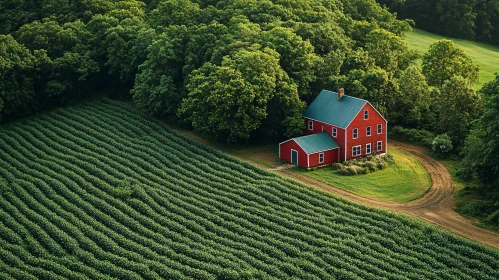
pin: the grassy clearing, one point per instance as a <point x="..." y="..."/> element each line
<point x="403" y="181"/>
<point x="486" y="56"/>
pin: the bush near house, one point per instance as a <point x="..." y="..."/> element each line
<point x="366" y="165"/>
<point x="412" y="135"/>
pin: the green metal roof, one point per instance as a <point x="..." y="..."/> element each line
<point x="326" y="108"/>
<point x="314" y="143"/>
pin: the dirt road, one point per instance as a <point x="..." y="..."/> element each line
<point x="436" y="206"/>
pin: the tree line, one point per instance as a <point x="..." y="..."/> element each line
<point x="467" y="19"/>
<point x="237" y="70"/>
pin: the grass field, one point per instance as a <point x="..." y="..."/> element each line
<point x="99" y="191"/>
<point x="403" y="181"/>
<point x="486" y="56"/>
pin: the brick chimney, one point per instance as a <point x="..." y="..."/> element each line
<point x="341" y="92"/>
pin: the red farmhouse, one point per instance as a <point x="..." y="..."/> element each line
<point x="339" y="128"/>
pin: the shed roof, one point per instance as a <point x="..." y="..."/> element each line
<point x="315" y="143"/>
<point x="326" y="108"/>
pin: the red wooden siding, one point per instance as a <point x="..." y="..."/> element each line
<point x="285" y="152"/>
<point x="340" y="133"/>
<point x="361" y="124"/>
<point x="329" y="157"/>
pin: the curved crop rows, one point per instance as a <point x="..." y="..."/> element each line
<point x="100" y="191"/>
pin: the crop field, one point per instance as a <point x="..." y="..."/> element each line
<point x="100" y="191"/>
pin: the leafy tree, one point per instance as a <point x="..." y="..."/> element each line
<point x="444" y="60"/>
<point x="207" y="43"/>
<point x="230" y="100"/>
<point x="441" y="145"/>
<point x="127" y="46"/>
<point x="16" y="83"/>
<point x="175" y="12"/>
<point x="412" y="108"/>
<point x="460" y="105"/>
<point x="481" y="151"/>
<point x="456" y="17"/>
<point x="159" y="84"/>
<point x="51" y="36"/>
<point x="70" y="74"/>
<point x="297" y="56"/>
<point x="389" y="51"/>
<point x="324" y="36"/>
<point x="14" y="14"/>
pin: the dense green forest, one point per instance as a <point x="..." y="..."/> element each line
<point x="468" y="19"/>
<point x="244" y="70"/>
<point x="234" y="70"/>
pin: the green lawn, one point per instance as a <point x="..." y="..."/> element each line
<point x="403" y="181"/>
<point x="486" y="56"/>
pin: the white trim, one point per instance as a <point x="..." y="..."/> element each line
<point x="370" y="149"/>
<point x="360" y="152"/>
<point x="295" y="142"/>
<point x="334" y="132"/>
<point x="371" y="131"/>
<point x="310" y="125"/>
<point x="322" y="151"/>
<point x="346" y="131"/>
<point x="377" y="128"/>
<point x="308" y="160"/>
<point x="377" y="112"/>
<point x="286" y="141"/>
<point x="323" y="122"/>
<point x="297" y="156"/>
<point x="377" y="146"/>
<point x="321" y="154"/>
<point x="386" y="139"/>
<point x="323" y="129"/>
<point x="363" y="108"/>
<point x="364" y="113"/>
<point x="353" y="129"/>
<point x="356" y="115"/>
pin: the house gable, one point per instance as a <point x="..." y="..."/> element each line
<point x="363" y="138"/>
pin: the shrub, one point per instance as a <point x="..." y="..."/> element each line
<point x="351" y="170"/>
<point x="337" y="166"/>
<point x="478" y="208"/>
<point x="441" y="145"/>
<point x="412" y="135"/>
<point x="493" y="218"/>
<point x="370" y="163"/>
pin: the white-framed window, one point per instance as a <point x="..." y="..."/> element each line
<point x="380" y="128"/>
<point x="368" y="131"/>
<point x="366" y="114"/>
<point x="321" y="157"/>
<point x="380" y="146"/>
<point x="335" y="132"/>
<point x="323" y="129"/>
<point x="355" y="133"/>
<point x="310" y="125"/>
<point x="356" y="150"/>
<point x="368" y="149"/>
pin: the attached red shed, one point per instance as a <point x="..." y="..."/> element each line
<point x="310" y="151"/>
